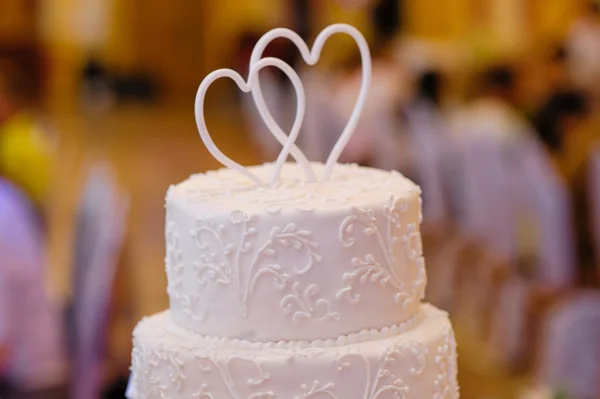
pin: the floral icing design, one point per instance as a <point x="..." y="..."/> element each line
<point x="167" y="366"/>
<point x="173" y="260"/>
<point x="150" y="365"/>
<point x="174" y="268"/>
<point x="211" y="364"/>
<point x="317" y="390"/>
<point x="159" y="371"/>
<point x="224" y="263"/>
<point x="370" y="269"/>
<point x="384" y="380"/>
<point x="309" y="305"/>
<point x="446" y="385"/>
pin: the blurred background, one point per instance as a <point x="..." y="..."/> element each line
<point x="492" y="106"/>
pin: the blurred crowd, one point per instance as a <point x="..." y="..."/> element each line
<point x="507" y="153"/>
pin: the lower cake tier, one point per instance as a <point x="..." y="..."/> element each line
<point x="170" y="362"/>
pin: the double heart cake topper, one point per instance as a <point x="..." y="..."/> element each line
<point x="287" y="141"/>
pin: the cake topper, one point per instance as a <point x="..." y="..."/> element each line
<point x="311" y="57"/>
<point x="246" y="87"/>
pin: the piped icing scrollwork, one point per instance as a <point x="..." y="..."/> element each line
<point x="419" y="363"/>
<point x="385" y="271"/>
<point x="235" y="264"/>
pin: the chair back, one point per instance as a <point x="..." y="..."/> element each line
<point x="100" y="233"/>
<point x="548" y="202"/>
<point x="508" y="326"/>
<point x="569" y="358"/>
<point x="488" y="211"/>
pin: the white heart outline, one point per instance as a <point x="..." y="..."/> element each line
<point x="247" y="87"/>
<point x="311" y="57"/>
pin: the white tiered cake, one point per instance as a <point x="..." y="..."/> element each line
<point x="301" y="289"/>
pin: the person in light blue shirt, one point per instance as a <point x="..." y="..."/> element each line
<point x="32" y="356"/>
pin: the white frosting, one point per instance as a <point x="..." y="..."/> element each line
<point x="353" y="338"/>
<point x="297" y="262"/>
<point x="420" y="363"/>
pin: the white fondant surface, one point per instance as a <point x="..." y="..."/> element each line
<point x="171" y="362"/>
<point x="300" y="261"/>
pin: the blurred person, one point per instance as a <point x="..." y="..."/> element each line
<point x="428" y="93"/>
<point x="569" y="134"/>
<point x="31" y="351"/>
<point x="377" y="140"/>
<point x="32" y="356"/>
<point x="431" y="85"/>
<point x="569" y="130"/>
<point x="386" y="16"/>
<point x="560" y="124"/>
<point x="492" y="113"/>
<point x="483" y="160"/>
<point x="544" y="75"/>
<point x="427" y="125"/>
<point x="583" y="44"/>
<point x="25" y="147"/>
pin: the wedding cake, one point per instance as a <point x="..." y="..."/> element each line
<point x="307" y="286"/>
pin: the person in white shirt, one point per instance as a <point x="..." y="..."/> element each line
<point x="484" y="162"/>
<point x="492" y="114"/>
<point x="32" y="356"/>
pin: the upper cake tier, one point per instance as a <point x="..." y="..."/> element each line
<point x="299" y="261"/>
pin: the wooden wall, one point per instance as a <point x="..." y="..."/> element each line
<point x="18" y="23"/>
